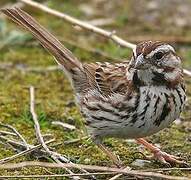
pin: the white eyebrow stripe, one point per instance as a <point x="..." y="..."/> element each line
<point x="164" y="48"/>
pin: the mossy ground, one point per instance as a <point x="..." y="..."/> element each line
<point x="54" y="94"/>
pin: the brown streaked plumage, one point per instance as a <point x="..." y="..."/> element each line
<point x="123" y="100"/>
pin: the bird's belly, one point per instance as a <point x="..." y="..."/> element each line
<point x="146" y="114"/>
<point x="137" y="130"/>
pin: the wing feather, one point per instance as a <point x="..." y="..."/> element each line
<point x="107" y="78"/>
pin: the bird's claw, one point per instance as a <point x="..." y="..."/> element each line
<point x="167" y="159"/>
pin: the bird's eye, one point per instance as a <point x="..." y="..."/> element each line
<point x="158" y="55"/>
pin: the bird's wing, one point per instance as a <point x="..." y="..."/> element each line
<point x="107" y="78"/>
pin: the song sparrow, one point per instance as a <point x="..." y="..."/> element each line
<point x="123" y="100"/>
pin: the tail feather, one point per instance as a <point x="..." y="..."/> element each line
<point x="63" y="56"/>
<point x="73" y="67"/>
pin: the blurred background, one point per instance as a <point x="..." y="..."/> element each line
<point x="24" y="62"/>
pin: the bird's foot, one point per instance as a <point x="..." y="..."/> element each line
<point x="166" y="158"/>
<point x="161" y="156"/>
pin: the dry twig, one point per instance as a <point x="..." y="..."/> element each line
<point x="19" y="147"/>
<point x="10" y="166"/>
<point x="117" y="176"/>
<point x="5" y="133"/>
<point x="64" y="125"/>
<point x="188" y="73"/>
<point x="22" y="153"/>
<point x="167" y="169"/>
<point x="16" y="132"/>
<point x="37" y="126"/>
<point x="101" y="22"/>
<point x="39" y="135"/>
<point x="85" y="25"/>
<point x="56" y="175"/>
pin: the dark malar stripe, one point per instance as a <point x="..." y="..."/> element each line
<point x="159" y="79"/>
<point x="165" y="111"/>
<point x="136" y="81"/>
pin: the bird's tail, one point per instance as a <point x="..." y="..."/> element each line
<point x="63" y="56"/>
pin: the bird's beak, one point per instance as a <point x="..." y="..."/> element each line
<point x="141" y="63"/>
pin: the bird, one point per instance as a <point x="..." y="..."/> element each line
<point x="124" y="100"/>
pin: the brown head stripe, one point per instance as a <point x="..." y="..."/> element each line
<point x="147" y="46"/>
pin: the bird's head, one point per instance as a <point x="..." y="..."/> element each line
<point x="156" y="61"/>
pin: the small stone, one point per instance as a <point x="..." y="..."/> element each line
<point x="140" y="162"/>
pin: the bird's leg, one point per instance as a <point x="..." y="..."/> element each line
<point x="163" y="157"/>
<point x="112" y="156"/>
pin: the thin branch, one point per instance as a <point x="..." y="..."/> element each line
<point x="35" y="119"/>
<point x="21" y="147"/>
<point x="18" y="146"/>
<point x="64" y="125"/>
<point x="82" y="24"/>
<point x="37" y="128"/>
<point x="87" y="26"/>
<point x="16" y="132"/>
<point x="91" y="168"/>
<point x="5" y="133"/>
<point x="57" y="175"/>
<point x="167" y="169"/>
<point x="117" y="176"/>
<point x="186" y="72"/>
<point x="101" y="22"/>
<point x="38" y="132"/>
<point x="22" y="153"/>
